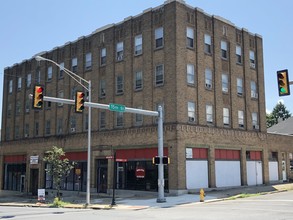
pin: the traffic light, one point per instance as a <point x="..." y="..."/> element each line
<point x="79" y="102"/>
<point x="38" y="97"/>
<point x="283" y="83"/>
<point x="166" y="160"/>
<point x="156" y="160"/>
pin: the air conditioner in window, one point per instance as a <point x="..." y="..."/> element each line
<point x="191" y="119"/>
<point x="252" y="65"/>
<point x="225" y="89"/>
<point x="120" y="57"/>
<point x="255" y="126"/>
<point x="241" y="125"/>
<point x="72" y="129"/>
<point x="208" y="86"/>
<point x="254" y="95"/>
<point x="26" y="135"/>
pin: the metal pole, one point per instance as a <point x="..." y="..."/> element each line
<point x="88" y="182"/>
<point x="161" y="181"/>
<point x="114" y="179"/>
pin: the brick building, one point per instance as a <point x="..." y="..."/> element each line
<point x="207" y="74"/>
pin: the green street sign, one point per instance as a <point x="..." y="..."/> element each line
<point x="116" y="107"/>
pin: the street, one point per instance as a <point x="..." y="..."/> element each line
<point x="276" y="206"/>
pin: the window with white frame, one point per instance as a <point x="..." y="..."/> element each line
<point x="209" y="113"/>
<point x="207" y="44"/>
<point x="254" y="120"/>
<point x="119" y="85"/>
<point x="138" y="83"/>
<point x="19" y="80"/>
<point x="138" y="118"/>
<point x="159" y="75"/>
<point x="208" y="78"/>
<point x="102" y="119"/>
<point x="191" y="112"/>
<point x="28" y="80"/>
<point x="138" y="45"/>
<point x="225" y="83"/>
<point x="61" y="70"/>
<point x="119" y="51"/>
<point x="238" y="54"/>
<point x="119" y="119"/>
<point x="88" y="61"/>
<point x="10" y="86"/>
<point x="224" y="49"/>
<point x="190" y="37"/>
<point x="241" y="119"/>
<point x="60" y="95"/>
<point x="252" y="58"/>
<point x="253" y="90"/>
<point x="102" y="90"/>
<point x="226" y="117"/>
<point x="103" y="56"/>
<point x="159" y="37"/>
<point x="49" y="73"/>
<point x="190" y="73"/>
<point x="74" y="64"/>
<point x="239" y="86"/>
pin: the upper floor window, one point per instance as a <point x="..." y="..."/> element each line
<point x="60" y="95"/>
<point x="26" y="130"/>
<point x="61" y="70"/>
<point x="138" y="118"/>
<point x="207" y="43"/>
<point x="241" y="119"/>
<point x="159" y="37"/>
<point x="10" y="86"/>
<point x="102" y="120"/>
<point x="138" y="83"/>
<point x="226" y="117"/>
<point x="88" y="61"/>
<point x="225" y="83"/>
<point x="208" y="79"/>
<point x="119" y="85"/>
<point x="48" y="127"/>
<point x="189" y="37"/>
<point x="72" y="124"/>
<point x="59" y="126"/>
<point x="102" y="92"/>
<point x="254" y="93"/>
<point x="103" y="56"/>
<point x="49" y="73"/>
<point x="18" y="107"/>
<point x="238" y="54"/>
<point x="190" y="73"/>
<point x="159" y="75"/>
<point x="252" y="58"/>
<point x="19" y="82"/>
<point x="74" y="64"/>
<point x="38" y="77"/>
<point x="37" y="129"/>
<point x="239" y="86"/>
<point x="224" y="49"/>
<point x="191" y="111"/>
<point x="9" y="108"/>
<point x="209" y="113"/>
<point x="27" y="106"/>
<point x="119" y="119"/>
<point x="254" y="120"/>
<point x="138" y="45"/>
<point x="119" y="51"/>
<point x="28" y="80"/>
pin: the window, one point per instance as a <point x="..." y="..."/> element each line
<point x="191" y="112"/>
<point x="241" y="119"/>
<point x="59" y="126"/>
<point x="86" y="122"/>
<point x="102" y="92"/>
<point x="103" y="56"/>
<point x="252" y="59"/>
<point x="61" y="70"/>
<point x="9" y="109"/>
<point x="119" y="119"/>
<point x="253" y="90"/>
<point x="60" y="95"/>
<point x="102" y="120"/>
<point x="19" y="83"/>
<point x="17" y="132"/>
<point x="225" y="83"/>
<point x="254" y="120"/>
<point x="207" y="44"/>
<point x="239" y="86"/>
<point x="74" y="64"/>
<point x="10" y="86"/>
<point x="189" y="37"/>
<point x="26" y="130"/>
<point x="208" y="79"/>
<point x="119" y="51"/>
<point x="226" y="118"/>
<point x="190" y="73"/>
<point x="7" y="136"/>
<point x="238" y="54"/>
<point x="72" y="124"/>
<point x="159" y="37"/>
<point x="48" y="127"/>
<point x="27" y="106"/>
<point x="28" y="80"/>
<point x="159" y="75"/>
<point x="119" y="85"/>
<point x="138" y="80"/>
<point x="49" y="73"/>
<point x="138" y="45"/>
<point x="37" y="129"/>
<point x="138" y="118"/>
<point x="38" y="77"/>
<point x="88" y="61"/>
<point x="209" y="113"/>
<point x="224" y="49"/>
<point x="17" y="107"/>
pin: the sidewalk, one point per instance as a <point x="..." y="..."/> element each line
<point x="135" y="200"/>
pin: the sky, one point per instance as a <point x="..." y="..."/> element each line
<point x="31" y="26"/>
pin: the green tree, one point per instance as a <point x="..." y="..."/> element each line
<point x="279" y="112"/>
<point x="58" y="167"/>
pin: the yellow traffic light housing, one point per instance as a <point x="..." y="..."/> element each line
<point x="166" y="160"/>
<point x="283" y="83"/>
<point x="79" y="102"/>
<point x="38" y="97"/>
<point x="156" y="160"/>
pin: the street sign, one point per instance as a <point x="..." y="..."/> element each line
<point x="116" y="107"/>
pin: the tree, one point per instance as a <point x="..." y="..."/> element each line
<point x="279" y="112"/>
<point x="58" y="166"/>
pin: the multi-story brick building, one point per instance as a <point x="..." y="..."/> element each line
<point x="207" y="74"/>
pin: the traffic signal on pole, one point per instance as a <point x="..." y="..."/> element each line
<point x="38" y="97"/>
<point x="79" y="102"/>
<point x="283" y="82"/>
<point x="156" y="160"/>
<point x="166" y="160"/>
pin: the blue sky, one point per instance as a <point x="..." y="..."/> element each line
<point x="31" y="26"/>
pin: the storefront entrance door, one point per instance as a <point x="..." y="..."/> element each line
<point x="34" y="181"/>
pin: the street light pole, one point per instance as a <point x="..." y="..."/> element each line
<point x="81" y="82"/>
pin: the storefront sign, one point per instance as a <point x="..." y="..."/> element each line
<point x="34" y="159"/>
<point x="41" y="195"/>
<point x="140" y="173"/>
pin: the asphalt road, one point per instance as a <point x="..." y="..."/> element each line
<point x="277" y="206"/>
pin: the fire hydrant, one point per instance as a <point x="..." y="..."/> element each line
<point x="201" y="195"/>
